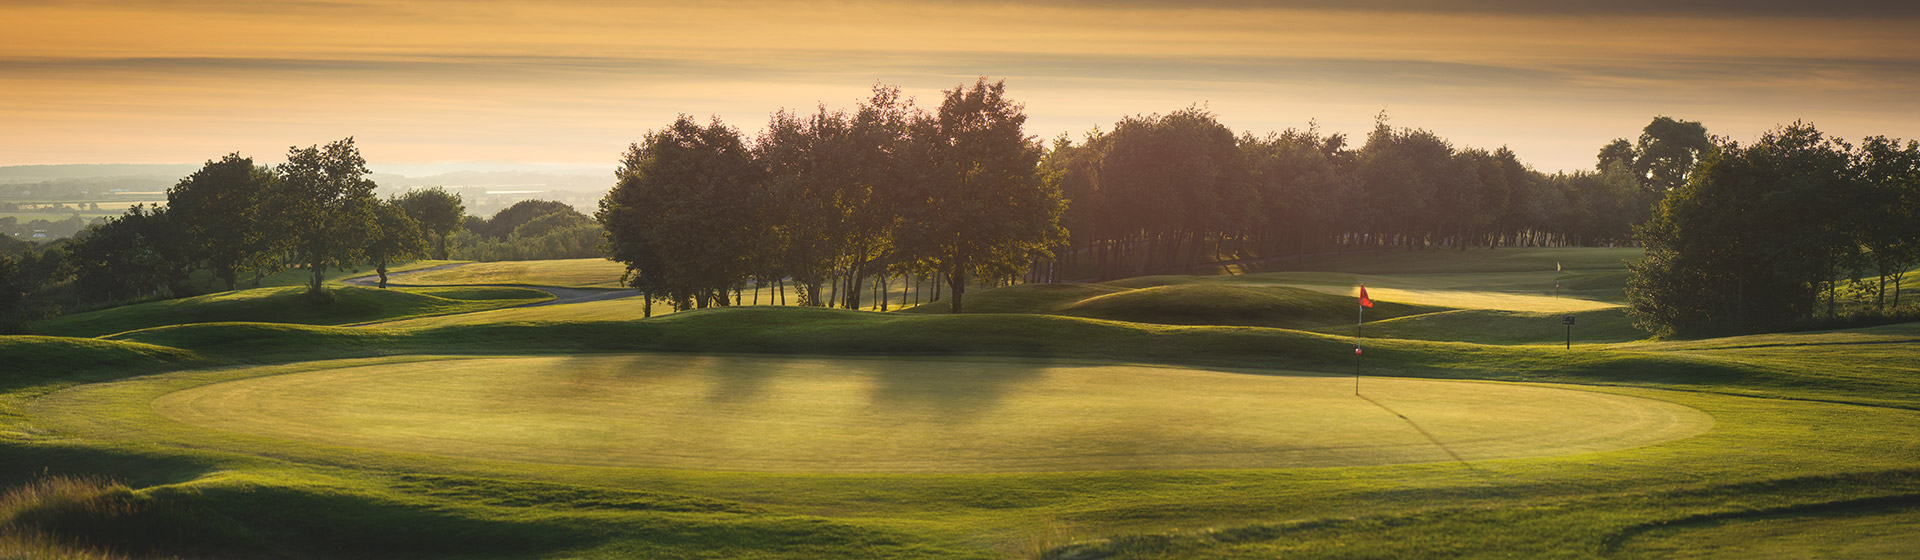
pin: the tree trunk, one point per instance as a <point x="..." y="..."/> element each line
<point x="855" y="281"/>
<point x="958" y="280"/>
<point x="313" y="285"/>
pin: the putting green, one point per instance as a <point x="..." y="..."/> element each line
<point x="914" y="415"/>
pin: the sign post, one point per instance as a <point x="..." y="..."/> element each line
<point x="1568" y="321"/>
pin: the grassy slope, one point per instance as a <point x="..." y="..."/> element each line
<point x="1592" y="502"/>
<point x="1486" y="326"/>
<point x="1781" y="471"/>
<point x="299" y="276"/>
<point x="568" y="273"/>
<point x="1212" y="304"/>
<point x="350" y="304"/>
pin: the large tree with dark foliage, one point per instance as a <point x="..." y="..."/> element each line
<point x="140" y="254"/>
<point x="13" y="295"/>
<point x="324" y="204"/>
<point x="395" y="236"/>
<point x="1752" y="239"/>
<point x="979" y="205"/>
<point x="683" y="216"/>
<point x="219" y="207"/>
<point x="438" y="212"/>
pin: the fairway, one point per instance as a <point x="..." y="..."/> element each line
<point x="907" y="415"/>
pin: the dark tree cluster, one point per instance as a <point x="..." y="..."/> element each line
<point x="835" y="199"/>
<point x="1167" y="193"/>
<point x="1765" y="236"/>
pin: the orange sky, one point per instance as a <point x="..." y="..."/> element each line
<point x="573" y="82"/>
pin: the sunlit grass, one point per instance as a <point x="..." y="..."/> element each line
<point x="344" y="305"/>
<point x="1814" y="447"/>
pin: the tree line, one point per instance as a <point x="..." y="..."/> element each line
<point x="1179" y="192"/>
<point x="835" y="198"/>
<point x="1768" y="235"/>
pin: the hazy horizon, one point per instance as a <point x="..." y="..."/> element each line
<point x="571" y="84"/>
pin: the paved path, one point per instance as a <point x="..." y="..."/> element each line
<point x="560" y="294"/>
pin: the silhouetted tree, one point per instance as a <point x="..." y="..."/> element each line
<point x="395" y="236"/>
<point x="220" y="209"/>
<point x="324" y="203"/>
<point x="439" y="213"/>
<point x="978" y="205"/>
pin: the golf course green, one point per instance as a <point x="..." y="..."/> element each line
<point x="1147" y="418"/>
<point x="905" y="415"/>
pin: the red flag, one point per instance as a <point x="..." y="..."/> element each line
<point x="1364" y="302"/>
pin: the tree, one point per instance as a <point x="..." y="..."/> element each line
<point x="219" y="208"/>
<point x="1303" y="178"/>
<point x="802" y="165"/>
<point x="1749" y="240"/>
<point x="1616" y="153"/>
<point x="682" y="216"/>
<point x="13" y="294"/>
<point x="877" y="138"/>
<point x="977" y="205"/>
<point x="139" y="254"/>
<point x="1666" y="153"/>
<point x="1889" y="173"/>
<point x="506" y="220"/>
<point x="1175" y="180"/>
<point x="325" y="205"/>
<point x="439" y="213"/>
<point x="395" y="236"/>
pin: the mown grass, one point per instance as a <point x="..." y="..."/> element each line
<point x="300" y="276"/>
<point x="566" y="273"/>
<point x="1485" y="326"/>
<point x="346" y="305"/>
<point x="908" y="415"/>
<point x="1816" y="438"/>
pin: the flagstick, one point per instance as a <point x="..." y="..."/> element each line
<point x="1359" y="319"/>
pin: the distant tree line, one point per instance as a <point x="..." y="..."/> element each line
<point x="527" y="230"/>
<point x="698" y="214"/>
<point x="1170" y="193"/>
<point x="232" y="223"/>
<point x="1771" y="235"/>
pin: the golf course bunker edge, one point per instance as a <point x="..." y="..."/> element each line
<point x="817" y="414"/>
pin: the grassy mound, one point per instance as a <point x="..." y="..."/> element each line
<point x="32" y="359"/>
<point x="1021" y="298"/>
<point x="1217" y="304"/>
<point x="1447" y="261"/>
<point x="566" y="273"/>
<point x="350" y="304"/>
<point x="1487" y="326"/>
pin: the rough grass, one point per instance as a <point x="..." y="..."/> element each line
<point x="348" y="304"/>
<point x="49" y="517"/>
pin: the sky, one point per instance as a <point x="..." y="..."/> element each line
<point x="572" y="82"/>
